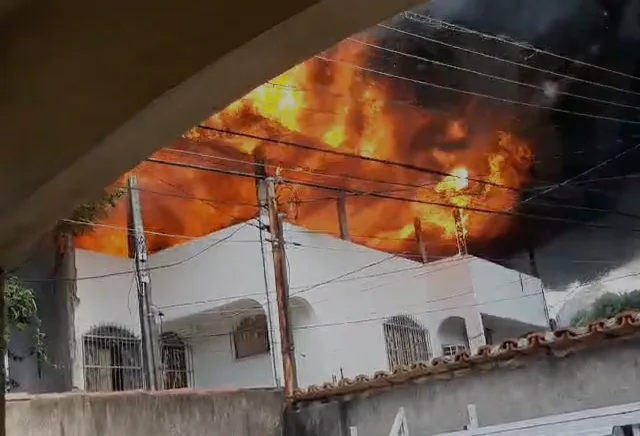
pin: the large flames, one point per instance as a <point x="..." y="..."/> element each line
<point x="328" y="104"/>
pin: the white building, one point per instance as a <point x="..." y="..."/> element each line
<point x="353" y="310"/>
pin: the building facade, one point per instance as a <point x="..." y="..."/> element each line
<point x="353" y="310"/>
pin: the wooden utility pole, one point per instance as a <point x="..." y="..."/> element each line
<point x="417" y="226"/>
<point x="148" y="324"/>
<point x="260" y="171"/>
<point x="342" y="216"/>
<point x="282" y="291"/>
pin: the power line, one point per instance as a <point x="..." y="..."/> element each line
<point x="489" y="76"/>
<point x="164" y="266"/>
<point x="448" y="263"/>
<point x="363" y="179"/>
<point x="191" y="197"/>
<point x="417" y="201"/>
<point x="406" y="185"/>
<point x="128" y="230"/>
<point x="377" y="318"/>
<point x="350" y="155"/>
<point x="475" y="94"/>
<point x="423" y="19"/>
<point x="335" y="280"/>
<point x="507" y="61"/>
<point x="584" y="173"/>
<point x="331" y="280"/>
<point x="311" y="171"/>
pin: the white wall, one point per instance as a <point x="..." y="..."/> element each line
<point x="340" y="295"/>
<point x="507" y="293"/>
<point x="215" y="366"/>
<point x="107" y="294"/>
<point x="218" y="271"/>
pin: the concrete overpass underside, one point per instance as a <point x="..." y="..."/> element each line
<point x="89" y="89"/>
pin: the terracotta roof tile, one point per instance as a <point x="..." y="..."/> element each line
<point x="558" y="342"/>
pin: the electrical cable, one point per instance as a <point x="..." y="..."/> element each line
<point x="507" y="61"/>
<point x="489" y="76"/>
<point x="424" y="19"/>
<point x="408" y="186"/>
<point x="475" y="94"/>
<point x="584" y="173"/>
<point x="153" y="268"/>
<point x="411" y="186"/>
<point x="348" y="155"/>
<point x="417" y="201"/>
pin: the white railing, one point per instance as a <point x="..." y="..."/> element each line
<point x="592" y="422"/>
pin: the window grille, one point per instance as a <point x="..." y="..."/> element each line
<point x="251" y="337"/>
<point x="176" y="367"/>
<point x="406" y="340"/>
<point x="450" y="350"/>
<point x="112" y="360"/>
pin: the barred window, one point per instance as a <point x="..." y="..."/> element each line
<point x="176" y="369"/>
<point x="450" y="350"/>
<point x="251" y="337"/>
<point x="112" y="359"/>
<point x="406" y="340"/>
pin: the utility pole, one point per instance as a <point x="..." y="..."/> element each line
<point x="461" y="237"/>
<point x="263" y="209"/>
<point x="342" y="216"/>
<point x="535" y="271"/>
<point x="148" y="325"/>
<point x="282" y="290"/>
<point x="417" y="227"/>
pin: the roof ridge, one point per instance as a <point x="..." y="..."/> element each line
<point x="624" y="324"/>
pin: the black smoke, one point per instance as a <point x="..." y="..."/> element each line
<point x="599" y="32"/>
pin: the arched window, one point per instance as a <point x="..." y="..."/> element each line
<point x="251" y="336"/>
<point x="112" y="359"/>
<point x="175" y="367"/>
<point x="453" y="336"/>
<point x="406" y="340"/>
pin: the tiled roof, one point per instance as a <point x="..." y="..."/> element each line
<point x="558" y="343"/>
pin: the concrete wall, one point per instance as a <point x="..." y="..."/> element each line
<point x="248" y="413"/>
<point x="55" y="310"/>
<point x="339" y="291"/>
<point x="524" y="389"/>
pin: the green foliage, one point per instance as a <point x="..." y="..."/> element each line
<point x="89" y="212"/>
<point x="607" y="306"/>
<point x="21" y="310"/>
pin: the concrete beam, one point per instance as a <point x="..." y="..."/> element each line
<point x="90" y="89"/>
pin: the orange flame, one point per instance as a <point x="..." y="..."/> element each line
<point x="333" y="106"/>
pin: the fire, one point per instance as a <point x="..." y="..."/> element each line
<point x="331" y="105"/>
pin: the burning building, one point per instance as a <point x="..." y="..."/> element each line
<point x="423" y="132"/>
<point x="420" y="120"/>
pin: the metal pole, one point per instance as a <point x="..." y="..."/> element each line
<point x="461" y="238"/>
<point x="282" y="291"/>
<point x="148" y="323"/>
<point x="342" y="216"/>
<point x="535" y="271"/>
<point x="417" y="225"/>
